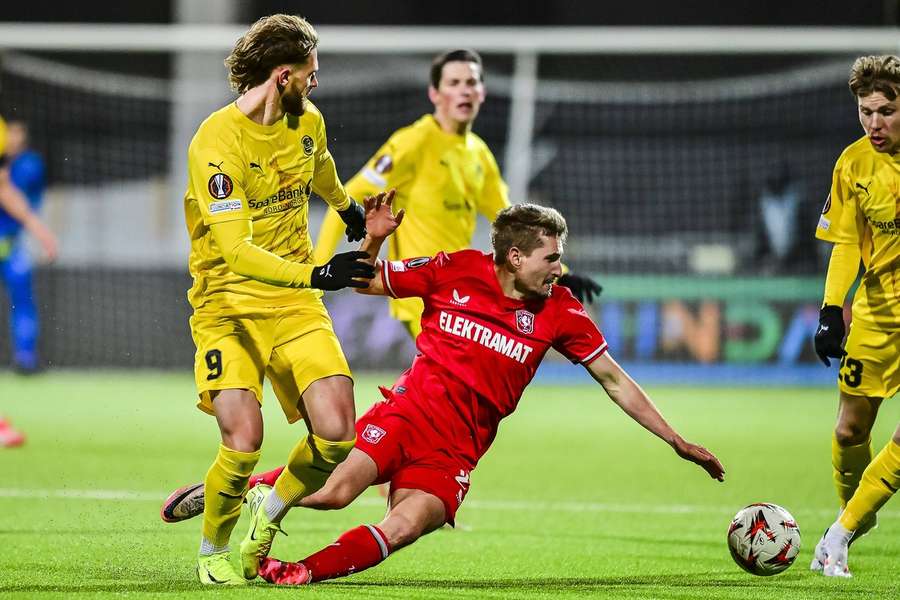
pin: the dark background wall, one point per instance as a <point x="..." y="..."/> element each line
<point x="468" y="12"/>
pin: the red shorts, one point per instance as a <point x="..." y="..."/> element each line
<point x="410" y="454"/>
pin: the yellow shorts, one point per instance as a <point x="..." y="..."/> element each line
<point x="872" y="365"/>
<point x="292" y="346"/>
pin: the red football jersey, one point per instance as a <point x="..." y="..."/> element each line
<point x="479" y="348"/>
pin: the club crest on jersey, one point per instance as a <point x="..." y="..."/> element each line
<point x="524" y="321"/>
<point x="308" y="145"/>
<point x="383" y="164"/>
<point x="373" y="434"/>
<point x="220" y="186"/>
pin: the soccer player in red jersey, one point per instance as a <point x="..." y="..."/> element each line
<point x="489" y="320"/>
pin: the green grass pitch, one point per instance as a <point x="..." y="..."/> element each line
<point x="573" y="500"/>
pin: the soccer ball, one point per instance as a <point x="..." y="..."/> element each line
<point x="764" y="539"/>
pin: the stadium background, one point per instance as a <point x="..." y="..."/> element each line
<point x="658" y="159"/>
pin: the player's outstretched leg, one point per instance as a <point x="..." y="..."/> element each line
<point x="413" y="514"/>
<point x="187" y="501"/>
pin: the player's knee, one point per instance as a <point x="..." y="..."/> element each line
<point x="851" y="433"/>
<point x="401" y="530"/>
<point x="338" y="427"/>
<point x="242" y="437"/>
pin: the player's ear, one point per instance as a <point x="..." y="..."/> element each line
<point x="433" y="94"/>
<point x="282" y="75"/>
<point x="514" y="257"/>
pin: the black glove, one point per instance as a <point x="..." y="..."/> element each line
<point x="340" y="271"/>
<point x="354" y="216"/>
<point x="830" y="334"/>
<point x="583" y="288"/>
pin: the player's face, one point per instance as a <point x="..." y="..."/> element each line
<point x="881" y="121"/>
<point x="540" y="269"/>
<point x="460" y="93"/>
<point x="302" y="80"/>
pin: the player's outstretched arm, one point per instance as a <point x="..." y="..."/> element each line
<point x="625" y="392"/>
<point x="380" y="223"/>
<point x="15" y="205"/>
<point x="235" y="239"/>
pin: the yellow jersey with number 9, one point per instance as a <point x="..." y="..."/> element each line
<point x="240" y="169"/>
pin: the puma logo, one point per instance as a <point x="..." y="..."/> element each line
<point x="864" y="188"/>
<point x="218" y="167"/>
<point x="325" y="271"/>
<point x="254" y="165"/>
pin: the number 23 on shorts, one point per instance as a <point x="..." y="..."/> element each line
<point x="850" y="373"/>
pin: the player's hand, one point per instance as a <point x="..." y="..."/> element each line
<point x="46" y="239"/>
<point x="583" y="288"/>
<point x="830" y="334"/>
<point x="380" y="218"/>
<point x="355" y="218"/>
<point x="343" y="270"/>
<point x="700" y="456"/>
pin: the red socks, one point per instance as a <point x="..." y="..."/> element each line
<point x="267" y="478"/>
<point x="356" y="550"/>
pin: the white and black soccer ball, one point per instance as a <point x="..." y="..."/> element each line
<point x="764" y="539"/>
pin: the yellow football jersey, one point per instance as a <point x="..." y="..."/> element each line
<point x="2" y="136"/>
<point x="863" y="208"/>
<point x="442" y="180"/>
<point x="239" y="169"/>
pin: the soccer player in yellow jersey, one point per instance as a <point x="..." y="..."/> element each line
<point x="444" y="176"/>
<point x="862" y="219"/>
<point x="256" y="299"/>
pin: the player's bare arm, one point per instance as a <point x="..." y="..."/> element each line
<point x="14" y="203"/>
<point x="625" y="392"/>
<point x="380" y="223"/>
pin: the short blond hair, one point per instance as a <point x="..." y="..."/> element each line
<point x="876" y="73"/>
<point x="271" y="41"/>
<point x="521" y="226"/>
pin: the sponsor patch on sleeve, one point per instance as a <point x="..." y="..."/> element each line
<point x="383" y="164"/>
<point x="397" y="266"/>
<point x="412" y="263"/>
<point x="372" y="177"/>
<point x="824" y="223"/>
<point x="224" y="206"/>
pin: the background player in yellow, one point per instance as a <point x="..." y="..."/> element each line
<point x="862" y="218"/>
<point x="256" y="299"/>
<point x="444" y="176"/>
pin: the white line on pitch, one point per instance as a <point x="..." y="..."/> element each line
<point x="509" y="505"/>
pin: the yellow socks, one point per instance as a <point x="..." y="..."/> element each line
<point x="880" y="481"/>
<point x="849" y="462"/>
<point x="311" y="462"/>
<point x="226" y="484"/>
